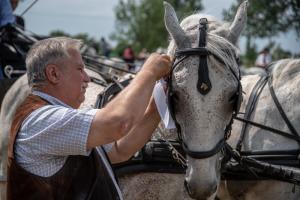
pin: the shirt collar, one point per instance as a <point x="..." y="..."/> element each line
<point x="50" y="99"/>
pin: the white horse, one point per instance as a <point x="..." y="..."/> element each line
<point x="252" y="71"/>
<point x="204" y="117"/>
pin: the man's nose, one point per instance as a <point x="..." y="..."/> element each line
<point x="86" y="77"/>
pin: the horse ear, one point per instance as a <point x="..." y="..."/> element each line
<point x="174" y="29"/>
<point x="238" y="23"/>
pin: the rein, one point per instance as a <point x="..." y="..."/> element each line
<point x="254" y="96"/>
<point x="275" y="164"/>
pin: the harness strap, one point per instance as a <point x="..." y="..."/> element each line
<point x="249" y="109"/>
<point x="171" y="97"/>
<point x="271" y="152"/>
<point x="258" y="88"/>
<point x="201" y="51"/>
<point x="203" y="83"/>
<point x="204" y="154"/>
<point x="265" y="169"/>
<point x="280" y="109"/>
<point x="279" y="132"/>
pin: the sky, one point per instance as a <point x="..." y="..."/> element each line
<point x="97" y="18"/>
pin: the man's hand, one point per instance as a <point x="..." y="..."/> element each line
<point x="158" y="65"/>
<point x="128" y="111"/>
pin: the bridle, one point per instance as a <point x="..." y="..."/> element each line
<point x="203" y="86"/>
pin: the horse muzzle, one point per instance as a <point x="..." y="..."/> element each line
<point x="203" y="192"/>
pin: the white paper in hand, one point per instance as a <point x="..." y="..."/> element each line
<point x="161" y="104"/>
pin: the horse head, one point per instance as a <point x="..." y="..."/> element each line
<point x="204" y="90"/>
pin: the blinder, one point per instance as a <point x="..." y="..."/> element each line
<point x="238" y="98"/>
<point x="203" y="86"/>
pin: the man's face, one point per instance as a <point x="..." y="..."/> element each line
<point x="75" y="79"/>
<point x="14" y="4"/>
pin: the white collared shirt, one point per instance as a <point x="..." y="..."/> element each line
<point x="50" y="134"/>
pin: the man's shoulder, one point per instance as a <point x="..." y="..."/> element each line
<point x="57" y="114"/>
<point x="47" y="113"/>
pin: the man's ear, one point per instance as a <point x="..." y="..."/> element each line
<point x="53" y="73"/>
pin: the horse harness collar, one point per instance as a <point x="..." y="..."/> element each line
<point x="203" y="86"/>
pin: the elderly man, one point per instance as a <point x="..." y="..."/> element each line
<point x="55" y="150"/>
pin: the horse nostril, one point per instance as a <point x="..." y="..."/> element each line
<point x="215" y="188"/>
<point x="186" y="185"/>
<point x="206" y="191"/>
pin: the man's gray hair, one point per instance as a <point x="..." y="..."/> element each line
<point x="45" y="52"/>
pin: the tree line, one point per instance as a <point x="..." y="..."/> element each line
<point x="140" y="23"/>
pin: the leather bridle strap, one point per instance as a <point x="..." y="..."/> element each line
<point x="171" y="96"/>
<point x="204" y="154"/>
<point x="203" y="84"/>
<point x="199" y="51"/>
<point x="279" y="132"/>
<point x="250" y="107"/>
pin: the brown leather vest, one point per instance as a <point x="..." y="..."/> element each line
<point x="81" y="177"/>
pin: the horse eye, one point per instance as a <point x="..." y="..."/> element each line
<point x="238" y="61"/>
<point x="231" y="99"/>
<point x="175" y="97"/>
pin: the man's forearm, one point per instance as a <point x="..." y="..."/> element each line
<point x="140" y="134"/>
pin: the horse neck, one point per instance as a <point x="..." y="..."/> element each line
<point x="266" y="113"/>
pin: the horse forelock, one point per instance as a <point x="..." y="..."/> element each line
<point x="217" y="43"/>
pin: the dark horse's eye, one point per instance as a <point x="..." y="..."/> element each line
<point x="175" y="97"/>
<point x="238" y="60"/>
<point x="232" y="99"/>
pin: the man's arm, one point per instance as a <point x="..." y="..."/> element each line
<point x="140" y="134"/>
<point x="118" y="117"/>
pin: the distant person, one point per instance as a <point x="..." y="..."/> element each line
<point x="263" y="59"/>
<point x="6" y="13"/>
<point x="143" y="55"/>
<point x="19" y="20"/>
<point x="104" y="47"/>
<point x="128" y="57"/>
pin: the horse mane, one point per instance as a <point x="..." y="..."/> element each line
<point x="284" y="70"/>
<point x="216" y="38"/>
